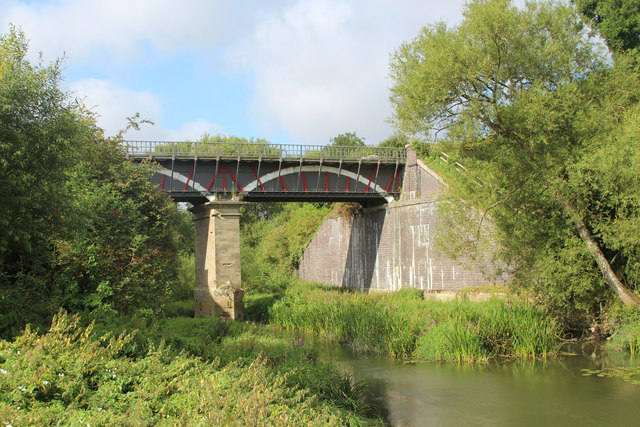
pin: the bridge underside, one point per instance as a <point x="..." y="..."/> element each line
<point x="366" y="200"/>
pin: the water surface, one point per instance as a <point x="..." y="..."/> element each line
<point x="525" y="393"/>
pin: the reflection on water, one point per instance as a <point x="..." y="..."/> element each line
<point x="524" y="393"/>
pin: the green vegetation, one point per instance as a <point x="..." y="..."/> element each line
<point x="545" y="126"/>
<point x="81" y="228"/>
<point x="71" y="375"/>
<point x="617" y="21"/>
<point x="273" y="238"/>
<point x="402" y="324"/>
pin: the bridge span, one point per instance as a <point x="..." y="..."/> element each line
<point x="199" y="172"/>
<point x="219" y="177"/>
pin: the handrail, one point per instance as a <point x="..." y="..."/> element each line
<point x="249" y="151"/>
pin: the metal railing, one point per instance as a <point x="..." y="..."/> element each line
<point x="248" y="151"/>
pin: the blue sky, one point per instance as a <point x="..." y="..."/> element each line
<point x="290" y="71"/>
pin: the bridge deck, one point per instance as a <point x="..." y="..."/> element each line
<point x="200" y="171"/>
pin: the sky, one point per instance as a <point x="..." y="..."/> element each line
<point x="289" y="71"/>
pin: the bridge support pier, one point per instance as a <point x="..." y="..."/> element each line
<point x="218" y="289"/>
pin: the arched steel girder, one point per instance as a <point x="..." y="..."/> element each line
<point x="252" y="186"/>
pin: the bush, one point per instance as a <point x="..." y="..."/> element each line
<point x="68" y="376"/>
<point x="625" y="336"/>
<point x="257" y="306"/>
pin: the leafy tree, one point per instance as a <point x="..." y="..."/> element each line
<point x="80" y="227"/>
<point x="525" y="99"/>
<point x="618" y="21"/>
<point x="41" y="130"/>
<point x="122" y="254"/>
<point x="395" y="141"/>
<point x="349" y="139"/>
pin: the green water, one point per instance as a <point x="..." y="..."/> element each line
<point x="551" y="393"/>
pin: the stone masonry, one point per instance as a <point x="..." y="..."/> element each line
<point x="390" y="247"/>
<point x="217" y="239"/>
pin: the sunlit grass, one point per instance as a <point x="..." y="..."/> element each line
<point x="402" y="324"/>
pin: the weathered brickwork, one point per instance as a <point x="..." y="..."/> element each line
<point x="390" y="247"/>
<point x="420" y="182"/>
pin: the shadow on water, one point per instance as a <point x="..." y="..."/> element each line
<point x="553" y="392"/>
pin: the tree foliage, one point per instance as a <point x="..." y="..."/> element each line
<point x="618" y="21"/>
<point x="273" y="238"/>
<point x="79" y="226"/>
<point x="348" y="139"/>
<point x="525" y="100"/>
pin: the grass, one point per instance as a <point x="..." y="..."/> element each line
<point x="402" y="324"/>
<point x="626" y="332"/>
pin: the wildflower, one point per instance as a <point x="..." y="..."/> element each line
<point x="22" y="389"/>
<point x="3" y="371"/>
<point x="45" y="382"/>
<point x="61" y="374"/>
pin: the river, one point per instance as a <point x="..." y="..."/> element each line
<point x="525" y="393"/>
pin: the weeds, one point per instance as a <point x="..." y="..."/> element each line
<point x="401" y="324"/>
<point x="71" y="376"/>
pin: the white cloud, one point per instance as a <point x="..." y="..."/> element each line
<point x="193" y="130"/>
<point x="113" y="104"/>
<point x="88" y="29"/>
<point x="321" y="66"/>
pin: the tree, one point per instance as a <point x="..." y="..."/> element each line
<point x="41" y="130"/>
<point x="395" y="141"/>
<point x="349" y="139"/>
<point x="79" y="225"/>
<point x="522" y="97"/>
<point x="618" y="21"/>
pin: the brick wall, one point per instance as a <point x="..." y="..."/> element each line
<point x="390" y="247"/>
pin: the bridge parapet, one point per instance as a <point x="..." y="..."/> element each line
<point x="263" y="151"/>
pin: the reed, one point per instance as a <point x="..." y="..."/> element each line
<point x="402" y="324"/>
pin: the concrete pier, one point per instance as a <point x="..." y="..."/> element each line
<point x="218" y="290"/>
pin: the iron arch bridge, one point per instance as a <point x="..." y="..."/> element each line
<point x="198" y="172"/>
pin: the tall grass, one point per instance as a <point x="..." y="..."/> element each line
<point x="402" y="324"/>
<point x="626" y="337"/>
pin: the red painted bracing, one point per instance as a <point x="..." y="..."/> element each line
<point x="256" y="175"/>
<point x="190" y="175"/>
<point x="348" y="180"/>
<point x="370" y="179"/>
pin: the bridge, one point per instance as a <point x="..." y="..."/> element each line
<point x="200" y="172"/>
<point x="217" y="178"/>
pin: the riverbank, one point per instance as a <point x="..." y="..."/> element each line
<point x="403" y="325"/>
<point x="170" y="371"/>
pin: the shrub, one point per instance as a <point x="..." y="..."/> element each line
<point x="69" y="377"/>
